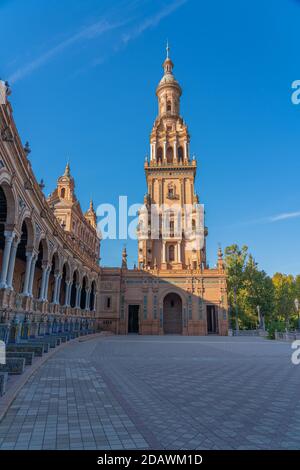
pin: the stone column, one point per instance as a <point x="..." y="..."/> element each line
<point x="56" y="277"/>
<point x="44" y="278"/>
<point x="58" y="289"/>
<point x="9" y="236"/>
<point x="163" y="251"/>
<point x="31" y="277"/>
<point x="45" y="292"/>
<point x="175" y="150"/>
<point x="78" y="295"/>
<point x="165" y="152"/>
<point x="154" y="151"/>
<point x="179" y="252"/>
<point x="87" y="299"/>
<point x="12" y="260"/>
<point x="68" y="292"/>
<point x="29" y="258"/>
<point x="185" y="150"/>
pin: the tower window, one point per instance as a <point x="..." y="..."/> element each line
<point x="171" y="253"/>
<point x="180" y="154"/>
<point x="159" y="155"/>
<point x="63" y="193"/>
<point x="172" y="228"/>
<point x="169" y="106"/>
<point x="169" y="155"/>
<point x="108" y="302"/>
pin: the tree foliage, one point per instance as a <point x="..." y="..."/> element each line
<point x="250" y="287"/>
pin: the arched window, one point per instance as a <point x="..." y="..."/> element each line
<point x="159" y="155"/>
<point x="171" y="192"/>
<point x="171" y="253"/>
<point x="172" y="228"/>
<point x="169" y="106"/>
<point x="180" y="154"/>
<point x="169" y="155"/>
<point x="63" y="193"/>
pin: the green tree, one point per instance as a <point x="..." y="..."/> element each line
<point x="235" y="259"/>
<point x="248" y="287"/>
<point x="285" y="294"/>
<point x="259" y="292"/>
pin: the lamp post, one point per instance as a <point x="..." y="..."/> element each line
<point x="296" y="302"/>
<point x="236" y="310"/>
<point x="259" y="317"/>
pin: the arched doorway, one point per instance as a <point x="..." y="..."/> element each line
<point x="83" y="293"/>
<point x="92" y="296"/>
<point x="73" y="297"/>
<point x="172" y="314"/>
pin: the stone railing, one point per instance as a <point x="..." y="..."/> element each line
<point x="287" y="335"/>
<point x="256" y="332"/>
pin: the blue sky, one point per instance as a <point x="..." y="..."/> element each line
<point x="84" y="74"/>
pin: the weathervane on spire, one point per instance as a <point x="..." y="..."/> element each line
<point x="168" y="48"/>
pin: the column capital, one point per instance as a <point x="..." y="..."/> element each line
<point x="9" y="234"/>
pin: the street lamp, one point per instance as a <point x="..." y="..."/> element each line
<point x="236" y="310"/>
<point x="296" y="302"/>
<point x="259" y="317"/>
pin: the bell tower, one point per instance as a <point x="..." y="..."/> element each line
<point x="170" y="175"/>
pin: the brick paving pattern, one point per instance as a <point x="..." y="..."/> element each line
<point x="166" y="392"/>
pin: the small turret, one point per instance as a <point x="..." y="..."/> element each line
<point x="90" y="215"/>
<point x="124" y="258"/>
<point x="221" y="264"/>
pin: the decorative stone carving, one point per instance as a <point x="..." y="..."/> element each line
<point x="7" y="135"/>
<point x="21" y="203"/>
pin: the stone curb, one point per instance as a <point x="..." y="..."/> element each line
<point x="13" y="391"/>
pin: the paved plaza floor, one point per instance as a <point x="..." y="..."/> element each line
<point x="168" y="392"/>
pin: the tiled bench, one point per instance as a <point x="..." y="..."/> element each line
<point x="38" y="348"/>
<point x="28" y="356"/>
<point x="51" y="341"/>
<point x="3" y="380"/>
<point x="14" y="365"/>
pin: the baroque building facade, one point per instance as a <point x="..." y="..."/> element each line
<point x="51" y="280"/>
<point x="49" y="249"/>
<point x="172" y="291"/>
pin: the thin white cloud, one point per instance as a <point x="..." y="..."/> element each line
<point x="152" y="21"/>
<point x="95" y="30"/>
<point x="284" y="216"/>
<point x="88" y="33"/>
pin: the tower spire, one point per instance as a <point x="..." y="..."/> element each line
<point x="168" y="49"/>
<point x="67" y="169"/>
